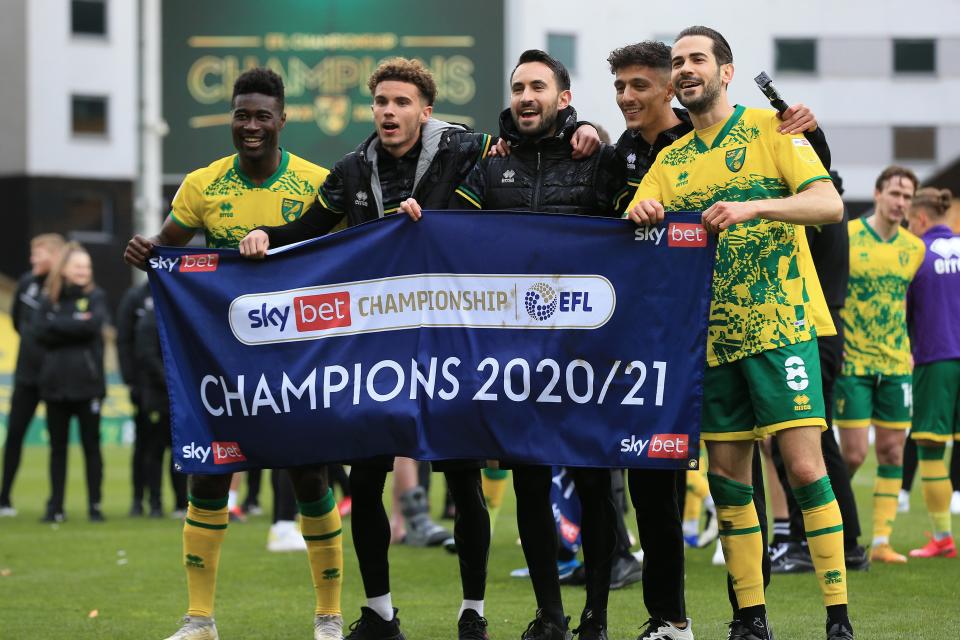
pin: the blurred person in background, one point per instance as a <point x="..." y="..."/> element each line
<point x="69" y="325"/>
<point x="933" y="304"/>
<point x="154" y="437"/>
<point x="130" y="311"/>
<point x="44" y="253"/>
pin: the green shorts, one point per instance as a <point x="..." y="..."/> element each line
<point x="884" y="401"/>
<point x="937" y="413"/>
<point x="757" y="396"/>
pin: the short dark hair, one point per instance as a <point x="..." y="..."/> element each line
<point x="259" y="80"/>
<point x="721" y="48"/>
<point x="896" y="171"/>
<point x="405" y="70"/>
<point x="649" y="53"/>
<point x="559" y="71"/>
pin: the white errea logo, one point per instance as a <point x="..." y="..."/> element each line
<point x="508" y="176"/>
<point x="949" y="251"/>
<point x="796" y="370"/>
<point x="632" y="161"/>
<point x="361" y="199"/>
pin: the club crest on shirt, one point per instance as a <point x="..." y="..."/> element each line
<point x="291" y="209"/>
<point x="735" y="157"/>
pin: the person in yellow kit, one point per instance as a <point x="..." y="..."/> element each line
<point x="875" y="384"/>
<point x="262" y="184"/>
<point x="754" y="187"/>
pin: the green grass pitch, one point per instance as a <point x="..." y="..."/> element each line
<point x="128" y="571"/>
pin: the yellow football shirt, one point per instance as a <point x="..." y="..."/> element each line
<point x="765" y="292"/>
<point x="875" y="339"/>
<point x="223" y="202"/>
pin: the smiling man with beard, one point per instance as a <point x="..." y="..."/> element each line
<point x="260" y="184"/>
<point x="542" y="174"/>
<point x="410" y="154"/>
<point x="644" y="95"/>
<point x="754" y="188"/>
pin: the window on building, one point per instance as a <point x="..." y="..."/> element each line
<point x="89" y="17"/>
<point x="798" y="55"/>
<point x="89" y="215"/>
<point x="89" y="114"/>
<point x="563" y="47"/>
<point x="915" y="56"/>
<point x="915" y="143"/>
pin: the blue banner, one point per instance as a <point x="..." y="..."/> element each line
<point x="521" y="337"/>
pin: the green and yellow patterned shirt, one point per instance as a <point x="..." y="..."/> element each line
<point x="225" y="203"/>
<point x="875" y="340"/>
<point x="765" y="292"/>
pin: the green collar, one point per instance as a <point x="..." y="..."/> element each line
<point x="284" y="161"/>
<point x="876" y="236"/>
<point x="732" y="120"/>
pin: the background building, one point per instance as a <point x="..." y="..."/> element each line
<point x="69" y="131"/>
<point x="882" y="77"/>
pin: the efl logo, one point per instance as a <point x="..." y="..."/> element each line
<point x="322" y="311"/>
<point x="200" y="262"/>
<point x="668" y="445"/>
<point x="227" y="452"/>
<point x="683" y="234"/>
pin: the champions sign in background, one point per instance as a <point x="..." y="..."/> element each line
<point x="523" y="337"/>
<point x="325" y="52"/>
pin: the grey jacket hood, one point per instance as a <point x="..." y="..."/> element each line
<point x="430" y="135"/>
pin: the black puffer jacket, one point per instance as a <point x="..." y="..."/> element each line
<point x="352" y="190"/>
<point x="540" y="175"/>
<point x="72" y="333"/>
<point x="26" y="304"/>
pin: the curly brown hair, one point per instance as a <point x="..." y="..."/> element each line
<point x="405" y="70"/>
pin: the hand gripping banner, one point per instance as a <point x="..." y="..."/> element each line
<point x="520" y="337"/>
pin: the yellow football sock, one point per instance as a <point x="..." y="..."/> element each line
<point x="494" y="484"/>
<point x="203" y="532"/>
<point x="320" y="525"/>
<point x="740" y="538"/>
<point x="886" y="492"/>
<point x="824" y="525"/>
<point x="697" y="490"/>
<point x="936" y="487"/>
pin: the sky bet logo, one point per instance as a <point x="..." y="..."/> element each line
<point x="223" y="452"/>
<point x="679" y="234"/>
<point x="188" y="263"/>
<point x="311" y="313"/>
<point x="661" y="445"/>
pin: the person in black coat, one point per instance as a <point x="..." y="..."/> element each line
<point x="69" y="325"/>
<point x="155" y="404"/>
<point x="44" y="253"/>
<point x="129" y="313"/>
